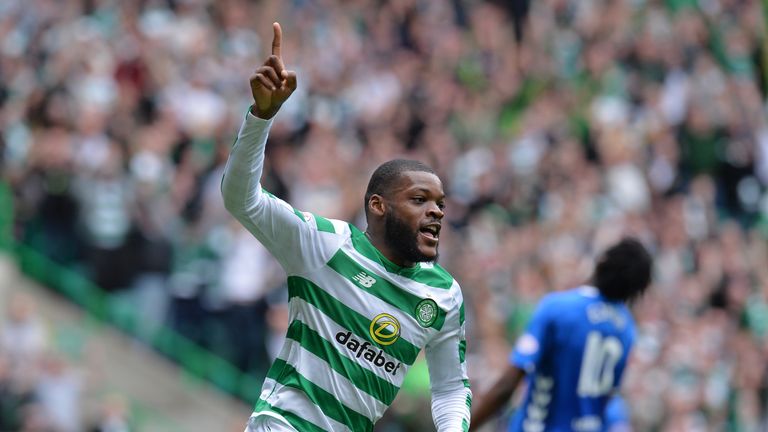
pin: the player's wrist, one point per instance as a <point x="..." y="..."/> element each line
<point x="265" y="114"/>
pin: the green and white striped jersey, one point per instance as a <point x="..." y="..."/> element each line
<point x="357" y="321"/>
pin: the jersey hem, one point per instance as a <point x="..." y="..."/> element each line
<point x="274" y="415"/>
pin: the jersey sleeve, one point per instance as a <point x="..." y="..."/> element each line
<point x="531" y="345"/>
<point x="298" y="241"/>
<point x="446" y="359"/>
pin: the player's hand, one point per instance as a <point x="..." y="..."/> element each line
<point x="272" y="84"/>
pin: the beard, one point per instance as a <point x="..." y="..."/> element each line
<point x="403" y="240"/>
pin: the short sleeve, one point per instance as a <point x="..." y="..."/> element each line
<point x="530" y="346"/>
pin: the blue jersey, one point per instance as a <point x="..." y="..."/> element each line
<point x="574" y="352"/>
<point x="617" y="415"/>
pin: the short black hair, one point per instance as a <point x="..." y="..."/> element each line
<point x="623" y="272"/>
<point x="387" y="174"/>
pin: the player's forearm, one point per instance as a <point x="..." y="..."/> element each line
<point x="488" y="404"/>
<point x="450" y="409"/>
<point x="241" y="187"/>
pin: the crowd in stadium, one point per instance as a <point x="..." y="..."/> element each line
<point x="593" y="119"/>
<point x="41" y="390"/>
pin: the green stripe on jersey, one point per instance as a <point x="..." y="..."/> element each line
<point x="362" y="245"/>
<point x="434" y="276"/>
<point x="462" y="351"/>
<point x="360" y="377"/>
<point x="344" y="265"/>
<point x="268" y="193"/>
<point x="324" y="224"/>
<point x="295" y="420"/>
<point x="287" y="375"/>
<point x="402" y="350"/>
<point x="271" y="195"/>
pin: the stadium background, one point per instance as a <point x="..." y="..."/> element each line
<point x="594" y="118"/>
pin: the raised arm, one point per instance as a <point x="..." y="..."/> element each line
<point x="297" y="240"/>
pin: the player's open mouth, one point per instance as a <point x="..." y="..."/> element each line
<point x="431" y="231"/>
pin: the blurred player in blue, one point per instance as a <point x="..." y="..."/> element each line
<point x="574" y="350"/>
<point x="617" y="415"/>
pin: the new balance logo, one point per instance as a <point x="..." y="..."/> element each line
<point x="364" y="279"/>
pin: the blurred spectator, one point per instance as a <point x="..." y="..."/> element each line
<point x="113" y="416"/>
<point x="106" y="199"/>
<point x="40" y="390"/>
<point x="277" y="321"/>
<point x="59" y="389"/>
<point x="23" y="336"/>
<point x="14" y="396"/>
<point x="248" y="274"/>
<point x="557" y="126"/>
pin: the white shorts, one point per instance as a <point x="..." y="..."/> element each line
<point x="267" y="423"/>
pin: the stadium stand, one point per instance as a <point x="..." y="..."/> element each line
<point x="594" y="118"/>
<point x="63" y="370"/>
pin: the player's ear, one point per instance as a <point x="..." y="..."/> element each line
<point x="376" y="205"/>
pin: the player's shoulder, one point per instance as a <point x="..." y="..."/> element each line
<point x="566" y="301"/>
<point x="573" y="295"/>
<point x="323" y="224"/>
<point x="434" y="275"/>
<point x="440" y="285"/>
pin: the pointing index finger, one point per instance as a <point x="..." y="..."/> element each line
<point x="277" y="39"/>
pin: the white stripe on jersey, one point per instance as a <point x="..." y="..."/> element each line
<point x="294" y="400"/>
<point x="328" y="329"/>
<point x="316" y="370"/>
<point x="368" y="305"/>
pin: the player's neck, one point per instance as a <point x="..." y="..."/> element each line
<point x="380" y="243"/>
